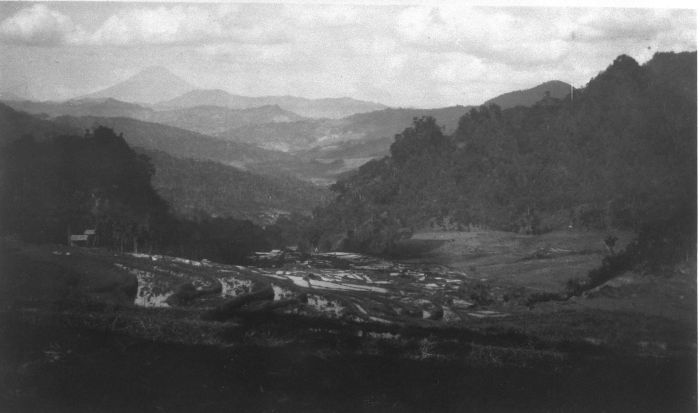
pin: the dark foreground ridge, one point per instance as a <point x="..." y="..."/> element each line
<point x="76" y="370"/>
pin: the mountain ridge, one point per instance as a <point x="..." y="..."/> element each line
<point x="312" y="108"/>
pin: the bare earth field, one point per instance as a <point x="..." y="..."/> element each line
<point x="444" y="325"/>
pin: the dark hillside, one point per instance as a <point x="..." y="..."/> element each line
<point x="194" y="187"/>
<point x="65" y="185"/>
<point x="97" y="190"/>
<point x="621" y="153"/>
<point x="15" y="124"/>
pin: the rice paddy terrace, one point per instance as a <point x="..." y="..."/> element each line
<point x="336" y="285"/>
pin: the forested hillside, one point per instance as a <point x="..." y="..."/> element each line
<point x="621" y="153"/>
<point x="69" y="184"/>
<point x="195" y="187"/>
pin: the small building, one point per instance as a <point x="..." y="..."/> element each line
<point x="86" y="239"/>
<point x="78" y="240"/>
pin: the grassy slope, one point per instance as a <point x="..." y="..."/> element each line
<point x="634" y="308"/>
<point x="511" y="258"/>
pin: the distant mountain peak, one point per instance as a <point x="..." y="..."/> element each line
<point x="150" y="85"/>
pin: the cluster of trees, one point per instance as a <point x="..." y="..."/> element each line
<point x="620" y="152"/>
<point x="53" y="188"/>
<point x="70" y="183"/>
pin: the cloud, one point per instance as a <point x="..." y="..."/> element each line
<point x="37" y="26"/>
<point x="400" y="55"/>
<point x="323" y="15"/>
<point x="458" y="67"/>
<point x="182" y="25"/>
<point x="146" y="25"/>
<point x="537" y="36"/>
<point x="440" y="55"/>
<point x="493" y="34"/>
<point x="158" y="25"/>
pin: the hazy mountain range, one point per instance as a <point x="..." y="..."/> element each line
<point x="183" y="143"/>
<point x="203" y="124"/>
<point x="216" y="119"/>
<point x="315" y="133"/>
<point x="157" y="85"/>
<point x="176" y="141"/>
<point x="107" y="107"/>
<point x="244" y="155"/>
<point x="311" y="108"/>
<point x="203" y="119"/>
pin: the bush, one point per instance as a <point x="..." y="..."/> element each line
<point x="659" y="246"/>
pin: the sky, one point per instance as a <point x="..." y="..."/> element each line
<point x="421" y="55"/>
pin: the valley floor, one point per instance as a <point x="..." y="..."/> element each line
<point x="444" y="326"/>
